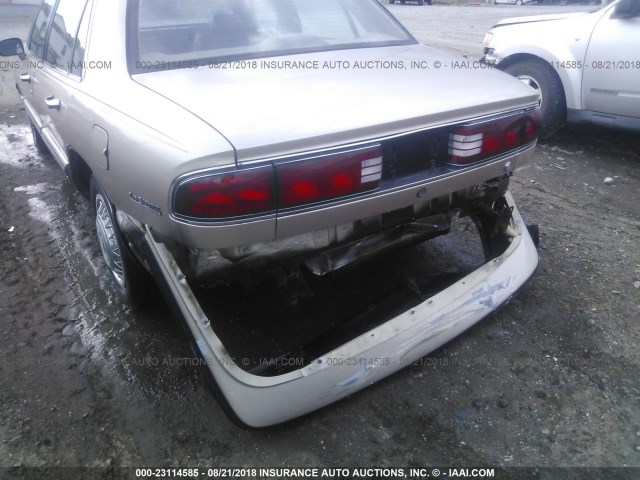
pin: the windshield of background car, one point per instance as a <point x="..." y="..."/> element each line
<point x="181" y="33"/>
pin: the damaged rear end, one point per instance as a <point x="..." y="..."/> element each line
<point x="467" y="176"/>
<point x="307" y="216"/>
<point x="336" y="208"/>
<point x="360" y="351"/>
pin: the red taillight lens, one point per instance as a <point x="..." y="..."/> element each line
<point x="324" y="178"/>
<point x="532" y="124"/>
<point x="243" y="192"/>
<point x="472" y="143"/>
<point x="283" y="185"/>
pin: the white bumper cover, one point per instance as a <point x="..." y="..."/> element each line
<point x="262" y="401"/>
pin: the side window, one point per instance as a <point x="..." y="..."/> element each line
<point x="63" y="32"/>
<point x="81" y="42"/>
<point x="39" y="30"/>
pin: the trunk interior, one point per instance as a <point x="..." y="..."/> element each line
<point x="279" y="323"/>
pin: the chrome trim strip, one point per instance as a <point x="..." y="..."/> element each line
<point x="54" y="148"/>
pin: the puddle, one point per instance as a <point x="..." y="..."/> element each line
<point x="132" y="347"/>
<point x="66" y="214"/>
<point x="16" y="147"/>
<point x="33" y="189"/>
<point x="41" y="211"/>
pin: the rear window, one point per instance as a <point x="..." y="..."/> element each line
<point x="170" y="33"/>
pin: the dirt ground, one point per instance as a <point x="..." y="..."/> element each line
<point x="552" y="380"/>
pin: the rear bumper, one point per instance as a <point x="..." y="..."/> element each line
<point x="260" y="401"/>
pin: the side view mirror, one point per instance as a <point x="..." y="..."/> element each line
<point x="11" y="46"/>
<point x="627" y="9"/>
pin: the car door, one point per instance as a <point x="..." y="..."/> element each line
<point x="34" y="60"/>
<point x="54" y="84"/>
<point x="611" y="78"/>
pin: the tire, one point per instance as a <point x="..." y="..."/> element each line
<point x="38" y="141"/>
<point x="131" y="282"/>
<point x="519" y="2"/>
<point x="420" y="2"/>
<point x="541" y="77"/>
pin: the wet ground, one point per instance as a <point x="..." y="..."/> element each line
<point x="551" y="380"/>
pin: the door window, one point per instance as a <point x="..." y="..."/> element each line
<point x="39" y="31"/>
<point x="81" y="43"/>
<point x="62" y="36"/>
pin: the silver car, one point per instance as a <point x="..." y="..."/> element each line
<point x="512" y="2"/>
<point x="219" y="138"/>
<point x="419" y="2"/>
<point x="584" y="66"/>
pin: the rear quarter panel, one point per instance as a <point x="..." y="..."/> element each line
<point x="151" y="140"/>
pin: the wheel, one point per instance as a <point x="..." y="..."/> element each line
<point x="420" y="2"/>
<point x="543" y="79"/>
<point x="429" y="2"/>
<point x="38" y="141"/>
<point x="128" y="276"/>
<point x="518" y="2"/>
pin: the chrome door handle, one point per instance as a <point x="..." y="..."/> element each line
<point x="52" y="102"/>
<point x="25" y="77"/>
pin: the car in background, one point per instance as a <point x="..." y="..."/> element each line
<point x="564" y="3"/>
<point x="584" y="66"/>
<point x="547" y="2"/>
<point x="222" y="140"/>
<point x="419" y="2"/>
<point x="513" y="2"/>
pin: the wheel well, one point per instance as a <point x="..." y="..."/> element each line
<point x="80" y="173"/>
<point x="521" y="57"/>
<point x="518" y="57"/>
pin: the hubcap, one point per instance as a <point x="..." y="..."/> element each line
<point x="108" y="241"/>
<point x="533" y="83"/>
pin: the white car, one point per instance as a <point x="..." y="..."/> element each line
<point x="585" y="66"/>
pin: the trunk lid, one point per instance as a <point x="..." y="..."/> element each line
<point x="277" y="109"/>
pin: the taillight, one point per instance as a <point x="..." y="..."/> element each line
<point x="472" y="143"/>
<point x="243" y="192"/>
<point x="332" y="176"/>
<point x="532" y="124"/>
<point x="281" y="185"/>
